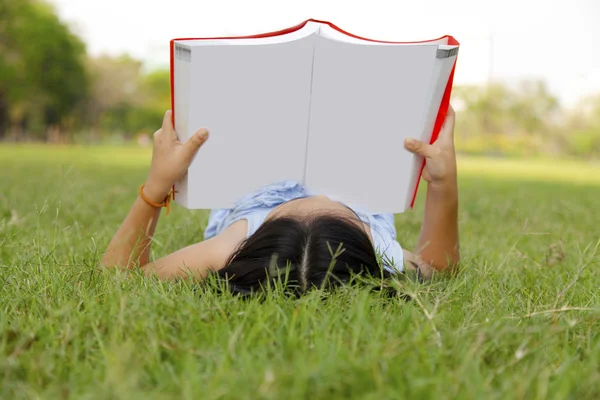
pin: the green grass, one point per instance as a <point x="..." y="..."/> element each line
<point x="521" y="321"/>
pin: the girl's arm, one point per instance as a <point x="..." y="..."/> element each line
<point x="438" y="246"/>
<point x="131" y="244"/>
<point x="170" y="160"/>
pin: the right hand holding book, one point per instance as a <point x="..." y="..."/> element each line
<point x="440" y="165"/>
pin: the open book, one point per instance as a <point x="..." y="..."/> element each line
<point x="313" y="104"/>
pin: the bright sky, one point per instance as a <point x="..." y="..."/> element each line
<point x="507" y="39"/>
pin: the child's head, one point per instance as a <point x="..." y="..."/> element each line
<point x="312" y="251"/>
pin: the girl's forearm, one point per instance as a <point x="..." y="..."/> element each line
<point x="131" y="244"/>
<point x="438" y="242"/>
<point x="170" y="161"/>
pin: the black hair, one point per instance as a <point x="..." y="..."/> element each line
<point x="322" y="251"/>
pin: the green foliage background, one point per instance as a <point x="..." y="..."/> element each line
<point x="52" y="90"/>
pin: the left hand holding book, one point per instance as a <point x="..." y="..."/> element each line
<point x="170" y="158"/>
<point x="440" y="157"/>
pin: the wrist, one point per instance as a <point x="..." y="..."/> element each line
<point x="156" y="192"/>
<point x="445" y="187"/>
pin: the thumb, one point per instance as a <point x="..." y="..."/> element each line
<point x="447" y="131"/>
<point x="195" y="142"/>
<point x="420" y="148"/>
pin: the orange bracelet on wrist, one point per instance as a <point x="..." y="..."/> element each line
<point x="166" y="202"/>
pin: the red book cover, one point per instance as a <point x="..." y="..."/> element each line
<point x="444" y="105"/>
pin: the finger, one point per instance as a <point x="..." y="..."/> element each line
<point x="420" y="148"/>
<point x="158" y="137"/>
<point x="167" y="124"/>
<point x="451" y="110"/>
<point x="447" y="131"/>
<point x="194" y="143"/>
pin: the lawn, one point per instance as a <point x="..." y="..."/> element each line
<point x="521" y="321"/>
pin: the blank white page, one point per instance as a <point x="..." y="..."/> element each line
<point x="365" y="101"/>
<point x="255" y="102"/>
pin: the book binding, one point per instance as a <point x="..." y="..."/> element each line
<point x="446" y="53"/>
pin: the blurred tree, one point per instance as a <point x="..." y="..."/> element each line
<point x="43" y="78"/>
<point x="157" y="89"/>
<point x="582" y="129"/>
<point x="124" y="99"/>
<point x="534" y="107"/>
<point x="115" y="87"/>
<point x="501" y="109"/>
<point x="485" y="109"/>
<point x="589" y="108"/>
<point x="156" y="96"/>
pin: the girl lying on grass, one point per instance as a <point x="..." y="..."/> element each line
<point x="282" y="228"/>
